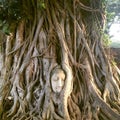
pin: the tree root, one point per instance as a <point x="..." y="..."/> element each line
<point x="66" y="36"/>
<point x="103" y="106"/>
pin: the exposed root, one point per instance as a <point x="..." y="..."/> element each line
<point x="65" y="33"/>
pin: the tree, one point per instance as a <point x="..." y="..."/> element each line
<point x="46" y="36"/>
<point x="112" y="11"/>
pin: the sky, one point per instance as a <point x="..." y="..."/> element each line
<point x="115" y="32"/>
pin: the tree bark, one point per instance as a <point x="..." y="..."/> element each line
<point x="66" y="34"/>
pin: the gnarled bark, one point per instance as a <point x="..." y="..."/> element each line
<point x="64" y="33"/>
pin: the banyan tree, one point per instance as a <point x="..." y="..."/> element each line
<point x="53" y="62"/>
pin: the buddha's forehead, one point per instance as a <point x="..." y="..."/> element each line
<point x="58" y="71"/>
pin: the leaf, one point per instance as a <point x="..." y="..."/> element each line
<point x="6" y="29"/>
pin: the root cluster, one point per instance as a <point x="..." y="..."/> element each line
<point x="66" y="34"/>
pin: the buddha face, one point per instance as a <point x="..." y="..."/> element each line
<point x="57" y="80"/>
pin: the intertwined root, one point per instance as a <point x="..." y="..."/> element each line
<point x="66" y="37"/>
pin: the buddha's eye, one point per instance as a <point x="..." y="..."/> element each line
<point x="55" y="79"/>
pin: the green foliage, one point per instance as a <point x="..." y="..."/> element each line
<point x="106" y="39"/>
<point x="110" y="16"/>
<point x="6" y="29"/>
<point x="14" y="11"/>
<point x="41" y="4"/>
<point x="10" y="12"/>
<point x="114" y="6"/>
<point x="112" y="10"/>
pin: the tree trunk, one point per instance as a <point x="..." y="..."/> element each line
<point x="63" y="36"/>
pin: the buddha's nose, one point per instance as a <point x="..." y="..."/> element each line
<point x="60" y="82"/>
